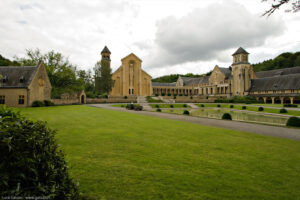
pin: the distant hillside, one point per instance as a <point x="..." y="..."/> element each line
<point x="284" y="60"/>
<point x="173" y="77"/>
<point x="7" y="62"/>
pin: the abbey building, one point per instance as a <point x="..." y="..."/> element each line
<point x="275" y="86"/>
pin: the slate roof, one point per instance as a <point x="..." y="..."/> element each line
<point x="14" y="74"/>
<point x="283" y="82"/>
<point x="239" y="51"/>
<point x="105" y="50"/>
<point x="157" y="84"/>
<point x="194" y="81"/>
<point x="226" y="72"/>
<point x="278" y="72"/>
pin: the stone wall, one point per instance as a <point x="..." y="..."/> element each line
<point x="111" y="100"/>
<point x="65" y="101"/>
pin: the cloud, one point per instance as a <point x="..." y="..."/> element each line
<point x="208" y="33"/>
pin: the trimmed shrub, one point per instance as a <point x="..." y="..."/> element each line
<point x="130" y="106"/>
<point x="202" y="105"/>
<point x="174" y="97"/>
<point x="138" y="108"/>
<point x="169" y="94"/>
<point x="31" y="162"/>
<point x="244" y="107"/>
<point x="48" y="103"/>
<point x="158" y="110"/>
<point x="293" y="121"/>
<point x="191" y="97"/>
<point x="218" y="105"/>
<point x="171" y="106"/>
<point x="156" y="95"/>
<point x="185" y="106"/>
<point x="231" y="106"/>
<point x="260" y="109"/>
<point x="125" y="97"/>
<point x="186" y="112"/>
<point x="226" y="116"/>
<point x="38" y="104"/>
<point x="282" y="110"/>
<point x="290" y="105"/>
<point x="156" y="106"/>
<point x="186" y="95"/>
<point x="180" y="95"/>
<point x="104" y="96"/>
<point x="162" y="94"/>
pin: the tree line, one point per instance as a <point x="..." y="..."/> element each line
<point x="64" y="76"/>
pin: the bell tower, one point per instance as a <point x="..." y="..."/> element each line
<point x="242" y="73"/>
<point x="105" y="53"/>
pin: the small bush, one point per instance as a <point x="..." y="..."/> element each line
<point x="191" y="97"/>
<point x="185" y="106"/>
<point x="104" y="96"/>
<point x="180" y="95"/>
<point x="244" y="107"/>
<point x="162" y="94"/>
<point x="186" y="112"/>
<point x="260" y="109"/>
<point x="290" y="105"/>
<point x="38" y="104"/>
<point x="174" y="97"/>
<point x="231" y="106"/>
<point x="125" y="97"/>
<point x="169" y="94"/>
<point x="48" y="103"/>
<point x="138" y="108"/>
<point x="31" y="162"/>
<point x="171" y="106"/>
<point x="282" y="110"/>
<point x="226" y="116"/>
<point x="218" y="105"/>
<point x="202" y="105"/>
<point x="293" y="121"/>
<point x="158" y="110"/>
<point x="156" y="106"/>
<point x="156" y="95"/>
<point x="186" y="95"/>
<point x="130" y="106"/>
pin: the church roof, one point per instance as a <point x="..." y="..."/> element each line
<point x="158" y="84"/>
<point x="16" y="77"/>
<point x="105" y="50"/>
<point x="283" y="82"/>
<point x="194" y="81"/>
<point x="240" y="51"/>
<point x="278" y="72"/>
<point x="226" y="72"/>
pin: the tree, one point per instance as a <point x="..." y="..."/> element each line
<point x="61" y="72"/>
<point x="103" y="77"/>
<point x="295" y="6"/>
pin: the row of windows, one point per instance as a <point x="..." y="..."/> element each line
<point x="20" y="101"/>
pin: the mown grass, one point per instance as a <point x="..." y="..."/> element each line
<point x="116" y="155"/>
<point x="250" y="107"/>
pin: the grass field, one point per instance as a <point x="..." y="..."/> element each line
<point x="177" y="105"/>
<point x="253" y="108"/>
<point x="116" y="155"/>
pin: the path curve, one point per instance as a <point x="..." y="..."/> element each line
<point x="282" y="132"/>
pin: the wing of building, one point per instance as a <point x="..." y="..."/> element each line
<point x="20" y="86"/>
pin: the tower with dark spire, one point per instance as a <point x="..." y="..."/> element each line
<point x="242" y="73"/>
<point x="105" y="53"/>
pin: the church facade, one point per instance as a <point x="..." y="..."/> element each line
<point x="275" y="86"/>
<point x="129" y="79"/>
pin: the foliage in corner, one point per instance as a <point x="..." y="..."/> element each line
<point x="31" y="163"/>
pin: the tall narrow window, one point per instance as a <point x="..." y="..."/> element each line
<point x="129" y="91"/>
<point x="21" y="99"/>
<point x="2" y="99"/>
<point x="132" y="92"/>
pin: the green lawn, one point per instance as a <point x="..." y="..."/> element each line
<point x="116" y="155"/>
<point x="250" y="107"/>
<point x="177" y="105"/>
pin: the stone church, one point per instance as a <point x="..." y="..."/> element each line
<point x="129" y="79"/>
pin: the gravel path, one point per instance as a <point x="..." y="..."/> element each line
<point x="282" y="132"/>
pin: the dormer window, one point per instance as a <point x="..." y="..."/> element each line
<point x="22" y="79"/>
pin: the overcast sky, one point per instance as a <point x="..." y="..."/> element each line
<point x="170" y="36"/>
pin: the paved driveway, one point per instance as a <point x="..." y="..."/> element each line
<point x="290" y="133"/>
